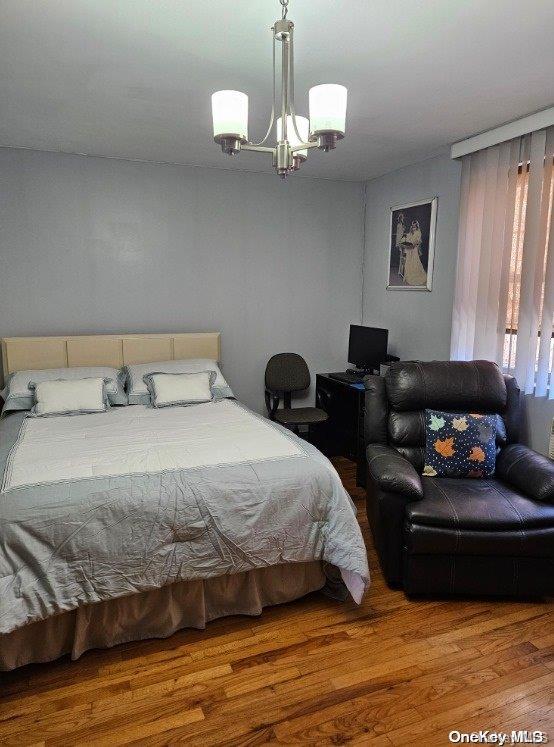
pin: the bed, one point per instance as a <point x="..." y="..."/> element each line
<point x="137" y="522"/>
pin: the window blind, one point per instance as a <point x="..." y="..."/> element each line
<point x="504" y="296"/>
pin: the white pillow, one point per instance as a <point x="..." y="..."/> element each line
<point x="73" y="397"/>
<point x="137" y="390"/>
<point x="168" y="389"/>
<point x="18" y="395"/>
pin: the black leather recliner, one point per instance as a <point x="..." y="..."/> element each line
<point x="456" y="536"/>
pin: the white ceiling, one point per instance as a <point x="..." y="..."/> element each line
<point x="133" y="78"/>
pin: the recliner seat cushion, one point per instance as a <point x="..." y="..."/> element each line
<point x="459" y="517"/>
<point x="481" y="505"/>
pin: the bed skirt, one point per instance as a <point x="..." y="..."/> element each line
<point x="158" y="613"/>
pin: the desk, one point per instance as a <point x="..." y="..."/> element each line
<point x="343" y="433"/>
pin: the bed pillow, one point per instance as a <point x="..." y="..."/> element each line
<point x="69" y="397"/>
<point x="137" y="391"/>
<point x="17" y="394"/>
<point x="171" y="389"/>
<point x="459" y="444"/>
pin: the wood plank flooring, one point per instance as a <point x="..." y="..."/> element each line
<point x="313" y="672"/>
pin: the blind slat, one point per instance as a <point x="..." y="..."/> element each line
<point x="527" y="326"/>
<point x="456" y="351"/>
<point x="476" y="208"/>
<point x="485" y="304"/>
<point x="547" y="316"/>
<point x="505" y="246"/>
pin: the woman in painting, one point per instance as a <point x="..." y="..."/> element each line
<point x="414" y="272"/>
<point x="400" y="231"/>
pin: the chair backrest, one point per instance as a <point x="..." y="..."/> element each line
<point x="287" y="372"/>
<point x="396" y="403"/>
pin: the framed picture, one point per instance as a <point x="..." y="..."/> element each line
<point x="412" y="245"/>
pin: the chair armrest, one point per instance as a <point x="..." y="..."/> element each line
<point x="392" y="472"/>
<point x="527" y="471"/>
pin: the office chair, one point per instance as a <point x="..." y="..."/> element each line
<point x="286" y="373"/>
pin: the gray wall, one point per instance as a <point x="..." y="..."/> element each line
<point x="91" y="245"/>
<point x="419" y="322"/>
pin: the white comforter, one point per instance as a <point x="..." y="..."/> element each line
<point x="97" y="507"/>
<point x="140" y="439"/>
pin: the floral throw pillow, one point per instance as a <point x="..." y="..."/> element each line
<point x="459" y="445"/>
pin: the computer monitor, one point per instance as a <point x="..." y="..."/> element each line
<point x="367" y="346"/>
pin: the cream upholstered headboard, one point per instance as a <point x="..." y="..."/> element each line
<point x="32" y="353"/>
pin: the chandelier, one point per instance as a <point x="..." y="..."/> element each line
<point x="295" y="135"/>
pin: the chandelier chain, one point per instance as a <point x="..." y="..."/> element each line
<point x="285" y="8"/>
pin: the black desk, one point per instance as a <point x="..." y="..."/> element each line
<point x="343" y="433"/>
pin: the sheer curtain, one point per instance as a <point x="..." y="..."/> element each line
<point x="504" y="297"/>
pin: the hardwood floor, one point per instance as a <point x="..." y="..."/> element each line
<point x="389" y="672"/>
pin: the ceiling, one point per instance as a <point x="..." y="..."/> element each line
<point x="133" y="78"/>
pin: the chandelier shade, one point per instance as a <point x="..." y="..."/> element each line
<point x="303" y="127"/>
<point x="328" y="109"/>
<point x="230" y="115"/>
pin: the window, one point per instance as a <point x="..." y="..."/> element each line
<point x="504" y="298"/>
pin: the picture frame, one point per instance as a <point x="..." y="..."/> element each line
<point x="411" y="255"/>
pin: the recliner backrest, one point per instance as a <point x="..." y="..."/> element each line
<point x="396" y="404"/>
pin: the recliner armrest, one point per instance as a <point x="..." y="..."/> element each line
<point x="527" y="471"/>
<point x="392" y="472"/>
